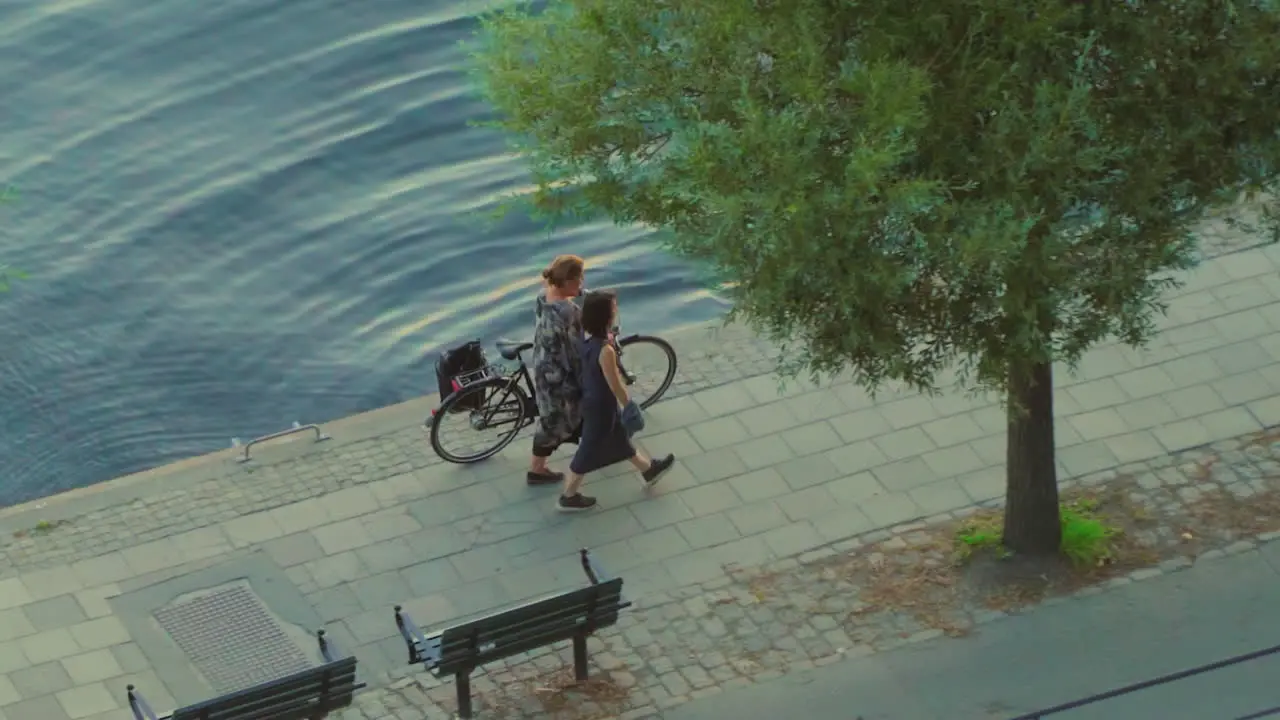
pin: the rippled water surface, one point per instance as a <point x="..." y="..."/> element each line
<point x="239" y="214"/>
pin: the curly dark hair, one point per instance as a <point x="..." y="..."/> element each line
<point x="597" y="312"/>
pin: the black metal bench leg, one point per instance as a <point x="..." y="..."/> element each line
<point x="580" y="657"/>
<point x="463" y="682"/>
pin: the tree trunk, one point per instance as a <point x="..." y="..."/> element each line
<point x="1032" y="524"/>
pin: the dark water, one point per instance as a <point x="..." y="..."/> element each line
<point x="239" y="214"/>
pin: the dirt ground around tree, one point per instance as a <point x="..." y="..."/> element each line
<point x="876" y="592"/>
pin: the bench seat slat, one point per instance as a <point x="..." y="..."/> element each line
<point x="539" y="612"/>
<point x="272" y="707"/>
<point x="549" y="606"/>
<point x="293" y="697"/>
<point x="306" y="681"/>
<point x="603" y="615"/>
<point x="296" y="708"/>
<point x="525" y="643"/>
<point x="462" y="642"/>
<point x="495" y="646"/>
<point x="528" y="627"/>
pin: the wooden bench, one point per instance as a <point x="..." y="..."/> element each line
<point x="306" y="695"/>
<point x="459" y="650"/>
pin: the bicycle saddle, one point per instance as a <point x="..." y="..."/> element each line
<point x="511" y="349"/>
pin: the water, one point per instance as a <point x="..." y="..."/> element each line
<point x="239" y="214"/>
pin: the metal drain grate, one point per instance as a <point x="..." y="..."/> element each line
<point x="231" y="639"/>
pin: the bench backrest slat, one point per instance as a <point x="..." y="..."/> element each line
<point x="527" y="627"/>
<point x="298" y="696"/>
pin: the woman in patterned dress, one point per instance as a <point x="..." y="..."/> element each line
<point x="557" y="365"/>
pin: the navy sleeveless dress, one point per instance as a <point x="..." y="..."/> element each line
<point x="604" y="439"/>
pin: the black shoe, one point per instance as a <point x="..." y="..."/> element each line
<point x="575" y="503"/>
<point x="543" y="478"/>
<point x="656" y="468"/>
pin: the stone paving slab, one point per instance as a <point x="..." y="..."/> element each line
<point x="765" y="472"/>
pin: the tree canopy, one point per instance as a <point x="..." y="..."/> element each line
<point x="896" y="188"/>
<point x="882" y="178"/>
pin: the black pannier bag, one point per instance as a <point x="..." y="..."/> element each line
<point x="464" y="359"/>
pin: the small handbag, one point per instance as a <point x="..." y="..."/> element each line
<point x="632" y="418"/>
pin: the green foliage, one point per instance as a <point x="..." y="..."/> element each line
<point x="981" y="533"/>
<point x="901" y="187"/>
<point x="44" y="527"/>
<point x="1086" y="537"/>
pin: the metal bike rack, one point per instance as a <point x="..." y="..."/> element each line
<point x="297" y="428"/>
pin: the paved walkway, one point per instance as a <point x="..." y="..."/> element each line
<point x="93" y="583"/>
<point x="1057" y="654"/>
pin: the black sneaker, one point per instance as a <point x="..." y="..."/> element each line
<point x="543" y="478"/>
<point x="575" y="503"/>
<point x="656" y="468"/>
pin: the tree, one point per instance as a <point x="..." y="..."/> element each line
<point x="902" y="188"/>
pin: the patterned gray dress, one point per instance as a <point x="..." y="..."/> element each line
<point x="557" y="369"/>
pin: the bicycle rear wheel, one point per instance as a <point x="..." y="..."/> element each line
<point x="648" y="365"/>
<point x="481" y="419"/>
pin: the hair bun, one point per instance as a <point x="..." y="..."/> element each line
<point x="565" y="268"/>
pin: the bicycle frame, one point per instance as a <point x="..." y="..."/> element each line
<point x="509" y="381"/>
<point x="521" y="373"/>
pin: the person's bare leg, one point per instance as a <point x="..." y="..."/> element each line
<point x="573" y="484"/>
<point x="572" y="499"/>
<point x="539" y="473"/>
<point x="640" y="461"/>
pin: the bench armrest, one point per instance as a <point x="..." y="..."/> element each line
<point x="141" y="710"/>
<point x="422" y="649"/>
<point x="329" y="650"/>
<point x="595" y="573"/>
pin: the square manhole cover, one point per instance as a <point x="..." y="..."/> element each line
<point x="231" y="638"/>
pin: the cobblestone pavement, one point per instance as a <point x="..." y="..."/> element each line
<point x="827" y="604"/>
<point x="336" y="536"/>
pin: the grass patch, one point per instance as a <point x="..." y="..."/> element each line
<point x="1087" y="539"/>
<point x="44" y="527"/>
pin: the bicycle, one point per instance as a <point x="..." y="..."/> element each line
<point x="494" y="399"/>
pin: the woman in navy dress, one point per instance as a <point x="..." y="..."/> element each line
<point x="604" y="394"/>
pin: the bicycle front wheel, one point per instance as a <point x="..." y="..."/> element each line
<point x="648" y="366"/>
<point x="478" y="421"/>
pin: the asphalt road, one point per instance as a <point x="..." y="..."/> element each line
<point x="1055" y="654"/>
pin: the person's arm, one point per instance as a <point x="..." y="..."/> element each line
<point x="609" y="365"/>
